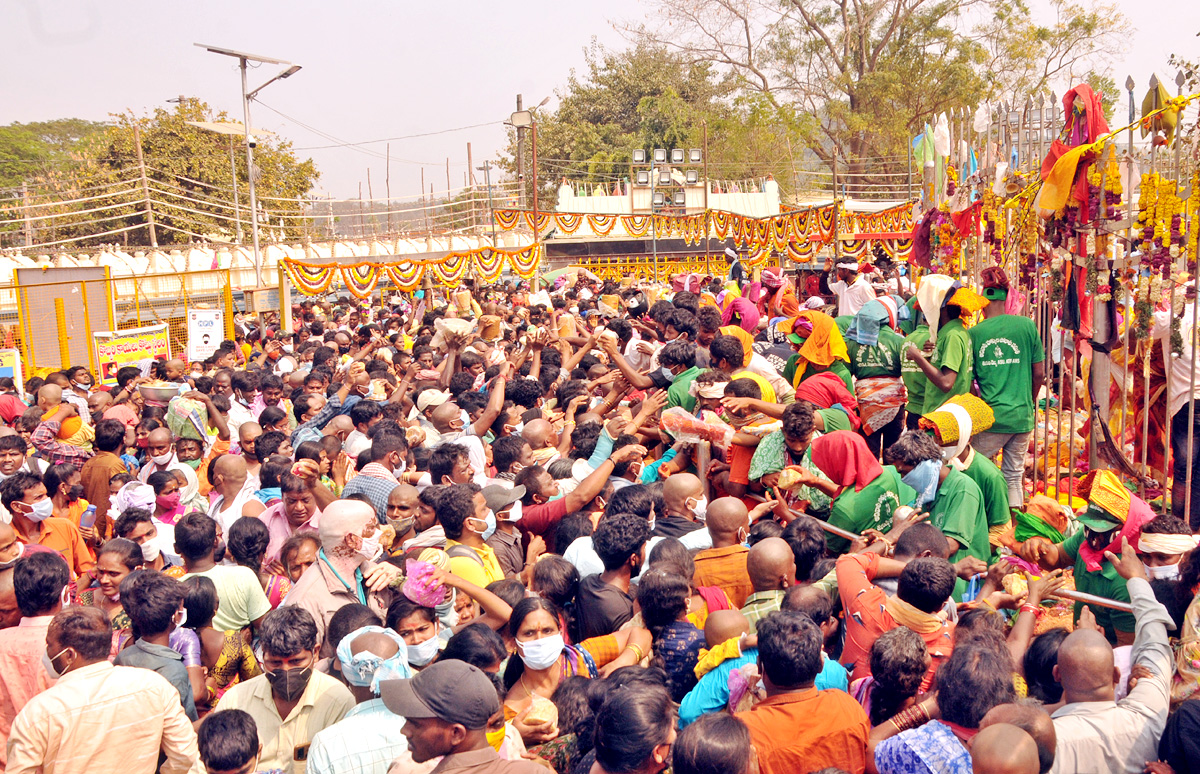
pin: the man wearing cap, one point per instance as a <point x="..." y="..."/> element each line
<point x="505" y="504"/>
<point x="736" y="274"/>
<point x="1113" y="514"/>
<point x="1009" y="368"/>
<point x="446" y="709"/>
<point x="427" y="401"/>
<point x="851" y="288"/>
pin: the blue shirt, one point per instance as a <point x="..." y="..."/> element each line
<point x="711" y="694"/>
<point x="366" y="741"/>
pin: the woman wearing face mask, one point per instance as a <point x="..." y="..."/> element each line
<point x="635" y="729"/>
<point x="115" y="560"/>
<point x="168" y="505"/>
<point x="545" y="659"/>
<point x="424" y="633"/>
<point x="64" y="485"/>
<point x="141" y="435"/>
<point x="247" y="542"/>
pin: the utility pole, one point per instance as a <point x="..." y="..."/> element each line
<point x="520" y="156"/>
<point x="387" y="184"/>
<point x="29" y="219"/>
<point x="237" y="207"/>
<point x="137" y="141"/>
<point x="487" y="175"/>
<point x="371" y="198"/>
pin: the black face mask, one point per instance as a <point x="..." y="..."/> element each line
<point x="289" y="684"/>
<point x="219" y="552"/>
<point x="345" y="350"/>
<point x="75" y="493"/>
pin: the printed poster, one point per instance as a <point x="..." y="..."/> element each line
<point x="133" y="347"/>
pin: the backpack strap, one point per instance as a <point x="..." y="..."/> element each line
<point x="461" y="550"/>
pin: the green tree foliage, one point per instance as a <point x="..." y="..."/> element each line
<point x="189" y="177"/>
<point x="648" y="97"/>
<point x="30" y="150"/>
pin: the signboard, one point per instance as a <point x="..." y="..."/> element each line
<point x="136" y="347"/>
<point x="10" y="366"/>
<point x="205" y="331"/>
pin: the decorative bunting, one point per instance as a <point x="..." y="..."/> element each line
<point x="361" y="278"/>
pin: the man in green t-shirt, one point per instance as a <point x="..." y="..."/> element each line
<point x="1009" y="368"/>
<point x="915" y="380"/>
<point x="679" y="359"/>
<point x="946" y="357"/>
<point x="954" y="502"/>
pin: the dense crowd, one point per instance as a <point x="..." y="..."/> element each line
<point x="720" y="526"/>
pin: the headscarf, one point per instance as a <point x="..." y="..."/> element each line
<point x="864" y="328"/>
<point x="133" y="495"/>
<point x="367" y="669"/>
<point x="821" y="347"/>
<point x="772" y="277"/>
<point x="1104" y="490"/>
<point x="747" y="312"/>
<point x="827" y="390"/>
<point x="931" y="297"/>
<point x="844" y="457"/>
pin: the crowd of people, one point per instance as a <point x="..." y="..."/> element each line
<point x="751" y="523"/>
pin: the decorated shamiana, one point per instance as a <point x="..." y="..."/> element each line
<point x="362" y="278"/>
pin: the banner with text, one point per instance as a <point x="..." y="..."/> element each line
<point x="133" y="347"/>
<point x="206" y="331"/>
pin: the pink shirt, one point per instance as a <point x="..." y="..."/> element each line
<point x="281" y="529"/>
<point x="21" y="673"/>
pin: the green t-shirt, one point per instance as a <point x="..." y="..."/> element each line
<point x="993" y="487"/>
<point x="872" y="508"/>
<point x="883" y="359"/>
<point x="958" y="512"/>
<point x="915" y="380"/>
<point x="1104" y="583"/>
<point x="953" y="351"/>
<point x="843" y="323"/>
<point x="677" y="393"/>
<point x="1005" y="348"/>
<point x="834" y="419"/>
<point x="905" y="327"/>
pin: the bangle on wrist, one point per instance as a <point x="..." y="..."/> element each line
<point x="636" y="651"/>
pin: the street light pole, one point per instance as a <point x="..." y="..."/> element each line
<point x="487" y="176"/>
<point x="247" y="95"/>
<point x="250" y="177"/>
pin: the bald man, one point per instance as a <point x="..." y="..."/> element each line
<point x="724" y="565"/>
<point x="771" y="566"/>
<point x="1003" y="749"/>
<point x="248" y="433"/>
<point x="543" y="441"/>
<point x="449" y="423"/>
<point x="349" y="533"/>
<point x="684" y="506"/>
<point x="340" y="426"/>
<point x="1033" y="720"/>
<point x="1095" y="732"/>
<point x="229" y="482"/>
<point x="10" y="614"/>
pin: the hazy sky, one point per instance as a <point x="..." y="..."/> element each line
<point x="372" y="69"/>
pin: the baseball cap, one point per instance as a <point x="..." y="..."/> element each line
<point x="500" y="497"/>
<point x="453" y="691"/>
<point x="1097" y="519"/>
<point x="431" y="398"/>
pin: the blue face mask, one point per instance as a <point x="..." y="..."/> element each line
<point x="491" y="526"/>
<point x="924" y="479"/>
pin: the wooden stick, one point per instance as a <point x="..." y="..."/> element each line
<point x="832" y="530"/>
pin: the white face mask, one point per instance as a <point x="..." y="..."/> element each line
<point x="513" y="514"/>
<point x="162" y="460"/>
<point x="41" y="510"/>
<point x="1163" y="572"/>
<point x="149" y="551"/>
<point x="422" y="653"/>
<point x="370" y="546"/>
<point x="700" y="509"/>
<point x="543" y="653"/>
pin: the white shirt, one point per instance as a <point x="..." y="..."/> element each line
<point x="854" y="296"/>
<point x="1181" y="389"/>
<point x="784" y="392"/>
<point x="227" y="516"/>
<point x="238" y="415"/>
<point x="582" y="553"/>
<point x="1116" y="736"/>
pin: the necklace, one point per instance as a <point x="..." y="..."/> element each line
<point x="529" y="690"/>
